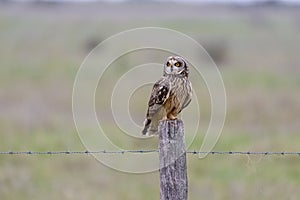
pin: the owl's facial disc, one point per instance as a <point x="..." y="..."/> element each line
<point x="174" y="66"/>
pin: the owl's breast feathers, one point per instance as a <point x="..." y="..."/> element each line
<point x="180" y="95"/>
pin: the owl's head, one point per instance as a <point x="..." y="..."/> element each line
<point x="176" y="65"/>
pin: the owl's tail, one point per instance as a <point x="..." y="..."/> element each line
<point x="150" y="127"/>
<point x="146" y="126"/>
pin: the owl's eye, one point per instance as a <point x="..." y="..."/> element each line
<point x="177" y="64"/>
<point x="168" y="64"/>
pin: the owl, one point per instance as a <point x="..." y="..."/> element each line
<point x="169" y="95"/>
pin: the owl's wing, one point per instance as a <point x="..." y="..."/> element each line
<point x="159" y="95"/>
<point x="186" y="103"/>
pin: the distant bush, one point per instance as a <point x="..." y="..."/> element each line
<point x="216" y="49"/>
<point x="91" y="43"/>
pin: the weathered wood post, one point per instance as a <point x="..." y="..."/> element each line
<point x="172" y="160"/>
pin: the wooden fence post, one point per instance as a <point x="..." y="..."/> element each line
<point x="172" y="160"/>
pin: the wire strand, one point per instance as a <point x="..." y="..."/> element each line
<point x="87" y="152"/>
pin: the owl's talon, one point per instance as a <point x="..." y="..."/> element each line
<point x="171" y="117"/>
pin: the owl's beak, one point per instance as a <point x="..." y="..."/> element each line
<point x="172" y="61"/>
<point x="172" y="68"/>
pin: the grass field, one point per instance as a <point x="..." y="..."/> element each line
<point x="42" y="47"/>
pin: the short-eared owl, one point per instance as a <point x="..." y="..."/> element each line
<point x="169" y="95"/>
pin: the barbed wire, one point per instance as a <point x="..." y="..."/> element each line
<point x="87" y="152"/>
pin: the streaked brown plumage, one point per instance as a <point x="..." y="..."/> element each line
<point x="169" y="95"/>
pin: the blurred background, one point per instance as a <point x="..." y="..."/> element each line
<point x="255" y="44"/>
